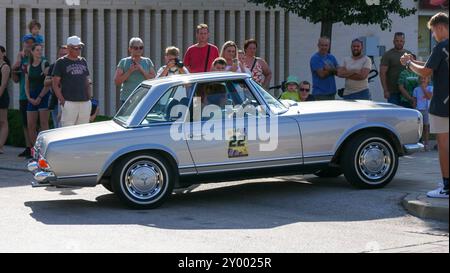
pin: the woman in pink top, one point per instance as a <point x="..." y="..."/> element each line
<point x="259" y="68"/>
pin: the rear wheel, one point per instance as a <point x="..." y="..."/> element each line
<point x="143" y="181"/>
<point x="369" y="161"/>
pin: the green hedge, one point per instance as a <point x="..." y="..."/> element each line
<point x="16" y="138"/>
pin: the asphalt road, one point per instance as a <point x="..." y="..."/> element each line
<point x="288" y="214"/>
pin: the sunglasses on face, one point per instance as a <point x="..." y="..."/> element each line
<point x="76" y="47"/>
<point x="304" y="89"/>
<point x="137" y="47"/>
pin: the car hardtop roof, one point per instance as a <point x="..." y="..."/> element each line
<point x="214" y="76"/>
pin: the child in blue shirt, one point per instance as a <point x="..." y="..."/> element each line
<point x="35" y="28"/>
<point x="422" y="97"/>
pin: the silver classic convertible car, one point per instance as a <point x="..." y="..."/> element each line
<point x="190" y="129"/>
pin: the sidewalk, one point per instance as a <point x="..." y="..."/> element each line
<point x="419" y="173"/>
<point x="10" y="161"/>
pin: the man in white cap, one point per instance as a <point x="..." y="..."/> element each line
<point x="71" y="85"/>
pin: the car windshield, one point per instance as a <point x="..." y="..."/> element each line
<point x="131" y="105"/>
<point x="275" y="105"/>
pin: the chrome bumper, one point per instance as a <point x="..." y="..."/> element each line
<point x="41" y="178"/>
<point x="413" y="148"/>
<point x="32" y="166"/>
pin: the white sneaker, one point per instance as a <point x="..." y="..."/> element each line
<point x="438" y="193"/>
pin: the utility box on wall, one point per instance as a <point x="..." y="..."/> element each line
<point x="371" y="46"/>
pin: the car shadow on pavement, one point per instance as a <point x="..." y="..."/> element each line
<point x="257" y="205"/>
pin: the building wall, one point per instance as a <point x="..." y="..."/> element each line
<point x="286" y="41"/>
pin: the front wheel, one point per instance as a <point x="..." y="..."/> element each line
<point x="369" y="161"/>
<point x="143" y="181"/>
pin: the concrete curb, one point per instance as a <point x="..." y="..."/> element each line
<point x="421" y="206"/>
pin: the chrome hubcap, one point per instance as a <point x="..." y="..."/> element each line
<point x="375" y="161"/>
<point x="144" y="180"/>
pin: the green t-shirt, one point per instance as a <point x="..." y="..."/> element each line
<point x="291" y="96"/>
<point x="135" y="78"/>
<point x="410" y="81"/>
<point x="391" y="59"/>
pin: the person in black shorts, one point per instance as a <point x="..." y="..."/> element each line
<point x="37" y="93"/>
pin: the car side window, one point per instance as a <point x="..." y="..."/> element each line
<point x="170" y="107"/>
<point x="216" y="99"/>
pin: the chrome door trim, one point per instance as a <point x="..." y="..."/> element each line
<point x="77" y="176"/>
<point x="247" y="165"/>
<point x="249" y="161"/>
<point x="318" y="159"/>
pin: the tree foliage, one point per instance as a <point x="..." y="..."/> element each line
<point x="348" y="12"/>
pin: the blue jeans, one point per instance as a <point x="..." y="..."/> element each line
<point x="395" y="99"/>
<point x="361" y="95"/>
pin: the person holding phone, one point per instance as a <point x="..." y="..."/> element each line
<point x="235" y="62"/>
<point x="437" y="66"/>
<point x="133" y="70"/>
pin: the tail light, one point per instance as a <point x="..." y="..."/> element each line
<point x="43" y="164"/>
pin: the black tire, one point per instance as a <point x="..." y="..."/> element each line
<point x="330" y="172"/>
<point x="369" y="161"/>
<point x="137" y="192"/>
<point x="108" y="186"/>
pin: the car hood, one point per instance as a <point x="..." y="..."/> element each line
<point x="79" y="131"/>
<point x="317" y="107"/>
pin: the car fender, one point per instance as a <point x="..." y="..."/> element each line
<point x="363" y="126"/>
<point x="132" y="149"/>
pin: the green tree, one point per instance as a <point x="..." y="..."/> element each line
<point x="348" y="12"/>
